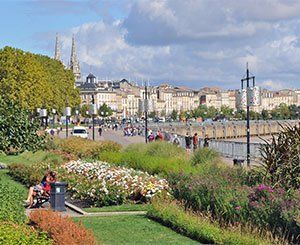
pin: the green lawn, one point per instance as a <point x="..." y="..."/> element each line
<point x="31" y="158"/>
<point x="4" y="177"/>
<point x="135" y="229"/>
<point x="119" y="208"/>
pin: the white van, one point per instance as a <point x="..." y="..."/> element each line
<point x="79" y="131"/>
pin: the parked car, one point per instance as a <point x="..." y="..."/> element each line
<point x="79" y="131"/>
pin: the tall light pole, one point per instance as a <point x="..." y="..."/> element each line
<point x="93" y="111"/>
<point x="247" y="79"/>
<point x="67" y="114"/>
<point x="146" y="113"/>
<point x="53" y="119"/>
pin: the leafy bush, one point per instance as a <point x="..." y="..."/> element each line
<point x="155" y="158"/>
<point x="204" y="155"/>
<point x="158" y="149"/>
<point x="30" y="175"/>
<point x="20" y="234"/>
<point x="281" y="158"/>
<point x="196" y="227"/>
<point x="85" y="148"/>
<point x="11" y="197"/>
<point x="17" y="131"/>
<point x="62" y="230"/>
<point x="223" y="196"/>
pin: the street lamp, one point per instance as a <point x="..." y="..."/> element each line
<point x="93" y="111"/>
<point x="247" y="79"/>
<point x="43" y="116"/>
<point x="53" y="119"/>
<point x="77" y="116"/>
<point x="67" y="114"/>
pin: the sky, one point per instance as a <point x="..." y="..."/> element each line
<point x="195" y="43"/>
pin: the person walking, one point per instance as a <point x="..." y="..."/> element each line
<point x="206" y="141"/>
<point x="176" y="140"/>
<point x="188" y="142"/>
<point x="100" y="131"/>
<point x="195" y="141"/>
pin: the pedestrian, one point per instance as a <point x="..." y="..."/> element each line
<point x="195" y="141"/>
<point x="100" y="131"/>
<point x="151" y="137"/>
<point x="188" y="142"/>
<point x="176" y="140"/>
<point x="206" y="141"/>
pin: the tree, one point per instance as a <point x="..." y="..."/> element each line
<point x="226" y="111"/>
<point x="265" y="114"/>
<point x="152" y="114"/>
<point x="174" y="115"/>
<point x="36" y="81"/>
<point x="18" y="132"/>
<point x="83" y="110"/>
<point x="105" y="111"/>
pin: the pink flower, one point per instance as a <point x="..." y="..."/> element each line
<point x="238" y="208"/>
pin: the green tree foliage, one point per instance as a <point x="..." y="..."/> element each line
<point x="83" y="111"/>
<point x="227" y="111"/>
<point x="105" y="110"/>
<point x="265" y="115"/>
<point x="152" y="114"/>
<point x="174" y="115"/>
<point x="18" y="132"/>
<point x="35" y="80"/>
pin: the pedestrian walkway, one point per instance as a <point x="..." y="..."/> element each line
<point x="117" y="136"/>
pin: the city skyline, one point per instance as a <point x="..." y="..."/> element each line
<point x="195" y="44"/>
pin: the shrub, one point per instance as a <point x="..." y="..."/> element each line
<point x="223" y="196"/>
<point x="85" y="148"/>
<point x="20" y="234"/>
<point x="62" y="230"/>
<point x="158" y="149"/>
<point x="17" y="131"/>
<point x="11" y="208"/>
<point x="196" y="226"/>
<point x="30" y="175"/>
<point x="281" y="158"/>
<point x="204" y="155"/>
<point x="155" y="158"/>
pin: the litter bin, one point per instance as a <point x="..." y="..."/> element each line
<point x="57" y="196"/>
<point x="238" y="162"/>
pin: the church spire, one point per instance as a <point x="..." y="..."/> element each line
<point x="57" y="49"/>
<point x="74" y="63"/>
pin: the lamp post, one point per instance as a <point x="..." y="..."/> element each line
<point x="77" y="116"/>
<point x="43" y="116"/>
<point x="247" y="79"/>
<point x="93" y="111"/>
<point x="53" y="119"/>
<point x="67" y="114"/>
<point x="146" y="113"/>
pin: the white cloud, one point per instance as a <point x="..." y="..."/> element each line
<point x="273" y="85"/>
<point x="195" y="42"/>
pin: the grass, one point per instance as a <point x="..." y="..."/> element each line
<point x="119" y="208"/>
<point x="29" y="158"/>
<point x="135" y="229"/>
<point x="7" y="179"/>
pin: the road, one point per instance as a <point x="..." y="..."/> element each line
<point x="108" y="134"/>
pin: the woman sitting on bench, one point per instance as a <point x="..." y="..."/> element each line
<point x="43" y="189"/>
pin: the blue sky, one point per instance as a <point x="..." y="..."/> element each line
<point x="192" y="42"/>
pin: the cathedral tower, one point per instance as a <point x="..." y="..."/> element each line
<point x="57" y="55"/>
<point x="74" y="63"/>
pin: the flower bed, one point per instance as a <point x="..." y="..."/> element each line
<point x="102" y="184"/>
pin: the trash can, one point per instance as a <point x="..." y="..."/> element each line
<point x="238" y="162"/>
<point x="57" y="196"/>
